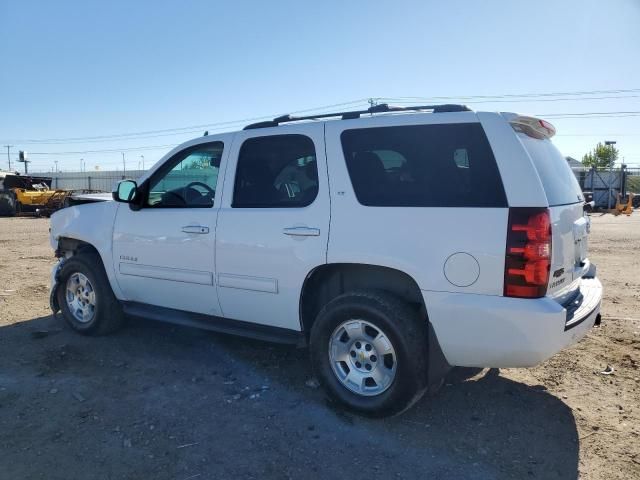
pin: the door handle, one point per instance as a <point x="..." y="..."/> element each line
<point x="302" y="231"/>
<point x="195" y="229"/>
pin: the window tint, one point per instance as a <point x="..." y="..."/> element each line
<point x="559" y="182"/>
<point x="188" y="180"/>
<point x="448" y="165"/>
<point x="276" y="171"/>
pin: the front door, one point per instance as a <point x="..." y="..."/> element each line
<point x="164" y="251"/>
<point x="273" y="225"/>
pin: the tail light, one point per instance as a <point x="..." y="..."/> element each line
<point x="528" y="253"/>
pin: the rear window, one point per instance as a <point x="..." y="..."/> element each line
<point x="447" y="165"/>
<point x="558" y="180"/>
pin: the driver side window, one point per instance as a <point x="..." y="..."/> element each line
<point x="188" y="180"/>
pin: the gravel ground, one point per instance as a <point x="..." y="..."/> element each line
<point x="164" y="402"/>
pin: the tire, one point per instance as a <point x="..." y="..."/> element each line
<point x="18" y="208"/>
<point x="394" y="383"/>
<point x="102" y="311"/>
<point x="7" y="203"/>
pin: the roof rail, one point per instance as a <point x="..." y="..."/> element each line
<point x="381" y="108"/>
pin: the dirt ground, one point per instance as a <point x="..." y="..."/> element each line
<point x="162" y="402"/>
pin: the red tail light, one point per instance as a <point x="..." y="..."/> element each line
<point x="528" y="253"/>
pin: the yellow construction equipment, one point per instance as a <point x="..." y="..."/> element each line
<point x="24" y="194"/>
<point x="624" y="208"/>
<point x="41" y="200"/>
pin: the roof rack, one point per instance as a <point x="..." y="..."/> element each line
<point x="381" y="108"/>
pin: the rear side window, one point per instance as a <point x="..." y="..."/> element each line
<point x="559" y="182"/>
<point x="276" y="171"/>
<point x="447" y="165"/>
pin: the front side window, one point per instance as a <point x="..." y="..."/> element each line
<point x="444" y="165"/>
<point x="188" y="180"/>
<point x="278" y="171"/>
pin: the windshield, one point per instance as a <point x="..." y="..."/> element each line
<point x="558" y="180"/>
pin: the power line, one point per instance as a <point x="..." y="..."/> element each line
<point x="141" y="137"/>
<point x="555" y="116"/>
<point x="110" y="150"/>
<point x="504" y="100"/>
<point x="482" y="99"/>
<point x="581" y="114"/>
<point x="586" y="117"/>
<point x="385" y="98"/>
<point x="191" y="127"/>
<point x="520" y="95"/>
<point x="597" y="135"/>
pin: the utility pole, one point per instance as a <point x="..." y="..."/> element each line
<point x="56" y="162"/>
<point x="142" y="157"/>
<point x="9" y="155"/>
<point x="124" y="165"/>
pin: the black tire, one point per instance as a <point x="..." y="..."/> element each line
<point x="407" y="333"/>
<point x="7" y="203"/>
<point x="108" y="316"/>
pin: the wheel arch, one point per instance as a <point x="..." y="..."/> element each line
<point x="69" y="246"/>
<point x="326" y="282"/>
<point x="74" y="246"/>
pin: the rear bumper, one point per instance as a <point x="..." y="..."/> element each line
<point x="490" y="331"/>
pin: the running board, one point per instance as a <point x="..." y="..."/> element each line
<point x="215" y="324"/>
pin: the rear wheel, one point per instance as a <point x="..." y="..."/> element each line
<point x="369" y="351"/>
<point x="85" y="296"/>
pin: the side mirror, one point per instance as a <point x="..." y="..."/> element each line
<point x="126" y="191"/>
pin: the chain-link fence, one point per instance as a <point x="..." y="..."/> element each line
<point x="607" y="183"/>
<point x="633" y="180"/>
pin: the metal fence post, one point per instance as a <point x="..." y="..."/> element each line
<point x="610" y="182"/>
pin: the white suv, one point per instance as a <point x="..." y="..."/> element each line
<point x="394" y="242"/>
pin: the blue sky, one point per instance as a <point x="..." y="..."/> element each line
<point x="77" y="69"/>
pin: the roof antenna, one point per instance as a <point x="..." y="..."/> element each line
<point x="206" y="133"/>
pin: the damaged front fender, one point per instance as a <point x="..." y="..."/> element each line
<point x="53" y="290"/>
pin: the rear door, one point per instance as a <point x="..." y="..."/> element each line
<point x="569" y="223"/>
<point x="273" y="225"/>
<point x="419" y="193"/>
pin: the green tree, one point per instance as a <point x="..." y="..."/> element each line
<point x="198" y="162"/>
<point x="603" y="156"/>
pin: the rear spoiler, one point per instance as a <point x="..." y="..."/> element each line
<point x="531" y="126"/>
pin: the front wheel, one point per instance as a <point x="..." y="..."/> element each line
<point x="85" y="296"/>
<point x="369" y="351"/>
